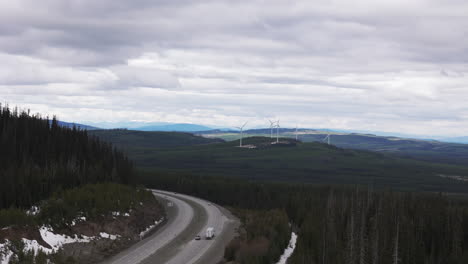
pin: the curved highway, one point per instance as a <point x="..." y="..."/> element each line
<point x="174" y="242"/>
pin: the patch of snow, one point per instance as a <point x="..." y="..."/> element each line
<point x="29" y="245"/>
<point x="5" y="252"/>
<point x="78" y="220"/>
<point x="108" y="236"/>
<point x="119" y="214"/>
<point x="251" y="146"/>
<point x="289" y="250"/>
<point x="34" y="210"/>
<point x="149" y="228"/>
<point x="454" y="177"/>
<point x="56" y="241"/>
<point x="35" y="246"/>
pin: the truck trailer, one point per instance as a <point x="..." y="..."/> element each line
<point x="209" y="233"/>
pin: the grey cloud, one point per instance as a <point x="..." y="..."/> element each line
<point x="144" y="77"/>
<point x="343" y="63"/>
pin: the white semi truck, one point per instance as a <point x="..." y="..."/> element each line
<point x="210" y="233"/>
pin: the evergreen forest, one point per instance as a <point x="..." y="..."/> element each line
<point x="39" y="157"/>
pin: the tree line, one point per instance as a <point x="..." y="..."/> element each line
<point x="38" y="157"/>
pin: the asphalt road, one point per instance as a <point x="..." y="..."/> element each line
<point x="174" y="242"/>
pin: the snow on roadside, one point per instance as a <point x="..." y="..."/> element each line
<point x="5" y="253"/>
<point x="33" y="245"/>
<point x="34" y="210"/>
<point x="149" y="228"/>
<point x="78" y="219"/>
<point x="108" y="236"/>
<point x="289" y="250"/>
<point x="119" y="214"/>
<point x="56" y="241"/>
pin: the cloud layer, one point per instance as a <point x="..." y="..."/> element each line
<point x="369" y="65"/>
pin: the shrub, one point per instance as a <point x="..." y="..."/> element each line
<point x="14" y="216"/>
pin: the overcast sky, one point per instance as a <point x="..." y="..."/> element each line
<point x="382" y="65"/>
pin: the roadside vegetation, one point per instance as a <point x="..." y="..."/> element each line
<point x="119" y="211"/>
<point x="92" y="202"/>
<point x="262" y="236"/>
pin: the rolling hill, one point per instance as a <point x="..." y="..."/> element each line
<point x="131" y="140"/>
<point x="179" y="153"/>
<point x="71" y="125"/>
<point x="425" y="150"/>
<point x="174" y="128"/>
<point x="463" y="140"/>
<point x="151" y="126"/>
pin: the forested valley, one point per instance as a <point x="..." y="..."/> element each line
<point x="38" y="157"/>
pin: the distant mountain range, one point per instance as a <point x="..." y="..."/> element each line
<point x="202" y="129"/>
<point x="128" y="124"/>
<point x="138" y="140"/>
<point x="175" y="127"/>
<point x="463" y="140"/>
<point x="152" y="126"/>
<point x="140" y="126"/>
<point x="79" y="126"/>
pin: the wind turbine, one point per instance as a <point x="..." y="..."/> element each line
<point x="327" y="138"/>
<point x="241" y="128"/>
<point x="272" y="125"/>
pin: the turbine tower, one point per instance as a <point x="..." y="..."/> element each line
<point x="296" y="133"/>
<point x="327" y="138"/>
<point x="241" y="129"/>
<point x="277" y="130"/>
<point x="272" y="126"/>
